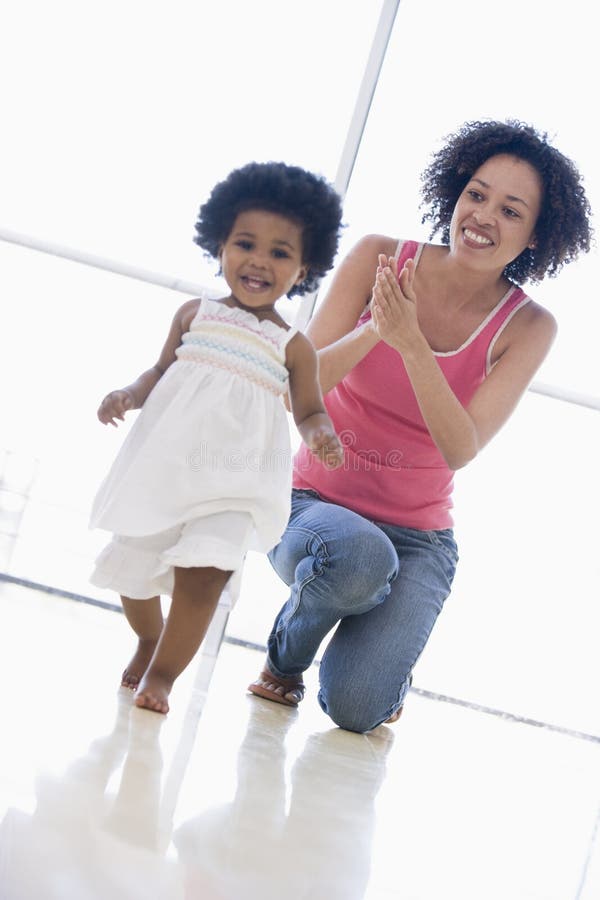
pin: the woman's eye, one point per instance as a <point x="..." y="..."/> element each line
<point x="475" y="195"/>
<point x="511" y="213"/>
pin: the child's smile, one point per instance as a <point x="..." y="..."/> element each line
<point x="252" y="283"/>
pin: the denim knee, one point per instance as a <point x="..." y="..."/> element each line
<point x="355" y="722"/>
<point x="347" y="712"/>
<point x="360" y="708"/>
<point x="356" y="569"/>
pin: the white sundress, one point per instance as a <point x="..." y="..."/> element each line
<point x="212" y="436"/>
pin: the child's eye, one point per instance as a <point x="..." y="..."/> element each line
<point x="245" y="245"/>
<point x="281" y="254"/>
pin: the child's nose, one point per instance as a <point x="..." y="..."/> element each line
<point x="258" y="258"/>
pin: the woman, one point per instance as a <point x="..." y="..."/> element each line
<point x="424" y="353"/>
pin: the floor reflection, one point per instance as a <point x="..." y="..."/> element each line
<point x="86" y="840"/>
<point x="322" y="816"/>
<point x="103" y="827"/>
<point x="234" y="798"/>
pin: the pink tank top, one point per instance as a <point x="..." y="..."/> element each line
<point x="392" y="470"/>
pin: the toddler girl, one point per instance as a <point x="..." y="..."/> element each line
<point x="204" y="474"/>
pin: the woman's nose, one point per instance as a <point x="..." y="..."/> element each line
<point x="483" y="215"/>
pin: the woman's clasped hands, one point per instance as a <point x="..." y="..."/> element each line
<point x="393" y="304"/>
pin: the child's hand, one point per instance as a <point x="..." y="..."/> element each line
<point x="326" y="446"/>
<point x="114" y="406"/>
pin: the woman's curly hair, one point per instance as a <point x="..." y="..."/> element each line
<point x="563" y="227"/>
<point x="289" y="191"/>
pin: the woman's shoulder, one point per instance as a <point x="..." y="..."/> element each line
<point x="369" y="247"/>
<point x="373" y="244"/>
<point x="362" y="258"/>
<point x="537" y="315"/>
<point x="529" y="322"/>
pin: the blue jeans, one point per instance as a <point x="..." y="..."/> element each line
<point x="385" y="586"/>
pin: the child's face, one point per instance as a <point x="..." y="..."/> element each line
<point x="262" y="257"/>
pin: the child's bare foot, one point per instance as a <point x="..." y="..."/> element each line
<point x="153" y="693"/>
<point x="138" y="663"/>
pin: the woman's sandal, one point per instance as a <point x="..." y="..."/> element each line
<point x="272" y="687"/>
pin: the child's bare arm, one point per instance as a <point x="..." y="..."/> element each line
<point x="133" y="396"/>
<point x="311" y="418"/>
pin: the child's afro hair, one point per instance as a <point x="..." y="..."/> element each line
<point x="563" y="227"/>
<point x="289" y="191"/>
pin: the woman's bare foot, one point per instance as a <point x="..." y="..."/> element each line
<point x="138" y="663"/>
<point x="153" y="693"/>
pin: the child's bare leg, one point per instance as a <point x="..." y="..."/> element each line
<point x="146" y="619"/>
<point x="195" y="597"/>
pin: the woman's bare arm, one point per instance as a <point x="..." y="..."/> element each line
<point x="459" y="432"/>
<point x="332" y="329"/>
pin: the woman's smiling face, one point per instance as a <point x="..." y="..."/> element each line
<point x="494" y="217"/>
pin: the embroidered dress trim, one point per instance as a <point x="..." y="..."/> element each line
<point x="236" y="341"/>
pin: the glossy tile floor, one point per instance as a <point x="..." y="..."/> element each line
<point x="233" y="798"/>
